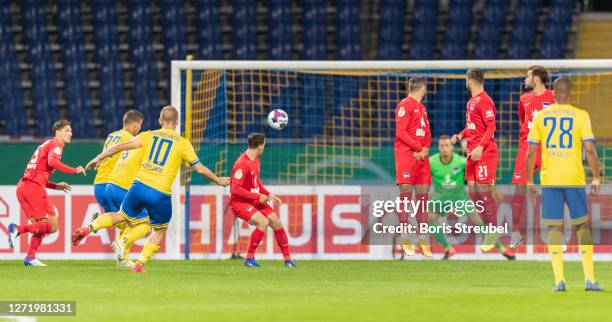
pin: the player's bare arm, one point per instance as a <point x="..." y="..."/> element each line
<point x="276" y="199"/>
<point x="591" y="154"/>
<point x="476" y="154"/>
<point x="63" y="186"/>
<point x="206" y="173"/>
<point x="129" y="145"/>
<point x="456" y="138"/>
<point x="422" y="154"/>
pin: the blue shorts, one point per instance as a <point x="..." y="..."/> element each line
<point x="554" y="199"/>
<point x="102" y="197"/>
<point x="158" y="206"/>
<point x="116" y="195"/>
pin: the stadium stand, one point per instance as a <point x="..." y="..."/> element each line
<point x="90" y="60"/>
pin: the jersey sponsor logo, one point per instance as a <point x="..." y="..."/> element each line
<point x="57" y="150"/>
<point x="238" y="174"/>
<point x="420" y="132"/>
<point x="489" y="114"/>
<point x="401" y="112"/>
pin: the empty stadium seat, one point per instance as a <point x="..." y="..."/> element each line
<point x="244" y="34"/>
<point x="208" y="29"/>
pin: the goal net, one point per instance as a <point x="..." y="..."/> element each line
<point x="341" y="125"/>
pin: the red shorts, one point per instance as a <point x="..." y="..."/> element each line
<point x="484" y="170"/>
<point x="33" y="200"/>
<point x="411" y="171"/>
<point x="246" y="210"/>
<point x="520" y="167"/>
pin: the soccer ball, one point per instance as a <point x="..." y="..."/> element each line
<point x="278" y="119"/>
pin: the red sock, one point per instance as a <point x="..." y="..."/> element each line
<point x="518" y="211"/>
<point x="35" y="242"/>
<point x="401" y="215"/>
<point x="283" y="243"/>
<point x="256" y="237"/>
<point x="40" y="227"/>
<point x="421" y="212"/>
<point x="490" y="208"/>
<point x="474" y="196"/>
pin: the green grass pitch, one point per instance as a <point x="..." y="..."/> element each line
<point x="316" y="291"/>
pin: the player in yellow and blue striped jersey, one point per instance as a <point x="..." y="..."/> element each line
<point x="163" y="152"/>
<point x="562" y="131"/>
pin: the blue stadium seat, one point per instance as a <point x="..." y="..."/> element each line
<point x="43" y="71"/>
<point x="488" y="33"/>
<point x="208" y="29"/>
<point x="174" y="34"/>
<point x="519" y="50"/>
<point x="12" y="109"/>
<point x="494" y="11"/>
<point x="279" y="23"/>
<point x="313" y="19"/>
<point x="145" y="74"/>
<point x="460" y="11"/>
<point x="454" y="50"/>
<point x="425" y="11"/>
<point x="75" y="70"/>
<point x="552" y="50"/>
<point x="525" y="14"/>
<point x="391" y="29"/>
<point x="486" y="51"/>
<point x="555" y="33"/>
<point x="348" y="39"/>
<point x="244" y="35"/>
<point x="560" y="14"/>
<point x="421" y="51"/>
<point x="457" y="33"/>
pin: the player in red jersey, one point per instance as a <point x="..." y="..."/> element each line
<point x="481" y="164"/>
<point x="249" y="201"/>
<point x="529" y="104"/>
<point x="412" y="141"/>
<point x="31" y="190"/>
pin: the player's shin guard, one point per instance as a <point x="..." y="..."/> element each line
<point x="556" y="254"/>
<point x="147" y="252"/>
<point x="254" y="241"/>
<point x="40" y="227"/>
<point x="518" y="211"/>
<point x="133" y="234"/>
<point x="103" y="221"/>
<point x="585" y="241"/>
<point x="35" y="242"/>
<point x="283" y="243"/>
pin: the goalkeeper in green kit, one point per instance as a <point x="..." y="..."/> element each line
<point x="448" y="172"/>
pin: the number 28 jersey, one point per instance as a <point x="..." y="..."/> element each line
<point x="560" y="130"/>
<point x="163" y="151"/>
